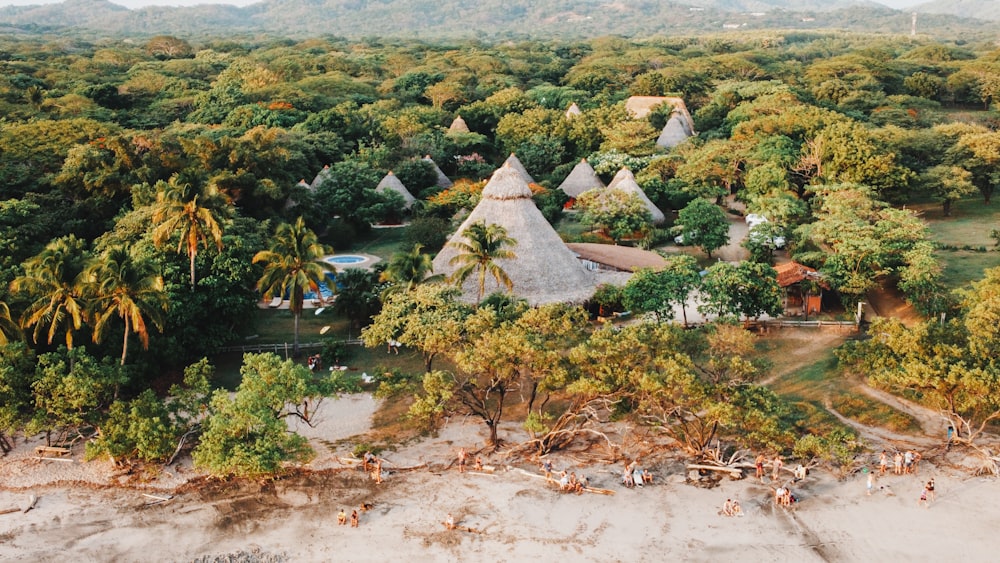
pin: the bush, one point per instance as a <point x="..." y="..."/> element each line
<point x="340" y="234"/>
<point x="431" y="232"/>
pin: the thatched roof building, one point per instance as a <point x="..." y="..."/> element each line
<point x="616" y="258"/>
<point x="443" y="181"/>
<point x="675" y="132"/>
<point x="581" y="179"/>
<point x="391" y="182"/>
<point x="572" y="111"/>
<point x="545" y="270"/>
<point x="514" y="163"/>
<point x="321" y="177"/>
<point x="458" y="126"/>
<point x="625" y="181"/>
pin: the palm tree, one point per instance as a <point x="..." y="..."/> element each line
<point x="54" y="280"/>
<point x="293" y="265"/>
<point x="127" y="288"/>
<point x="192" y="212"/>
<point x="9" y="330"/>
<point x="483" y="246"/>
<point x="407" y="269"/>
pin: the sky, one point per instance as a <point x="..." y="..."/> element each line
<point x="142" y="3"/>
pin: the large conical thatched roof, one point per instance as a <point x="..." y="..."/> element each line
<point x="573" y="111"/>
<point x="581" y="179"/>
<point x="442" y="181"/>
<point x="391" y="182"/>
<point x="625" y="181"/>
<point x="458" y="126"/>
<point x="545" y="270"/>
<point x="514" y="163"/>
<point x="675" y="132"/>
<point x="321" y="177"/>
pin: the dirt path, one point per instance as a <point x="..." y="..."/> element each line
<point x="931" y="422"/>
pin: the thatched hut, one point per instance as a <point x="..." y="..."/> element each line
<point x="458" y="125"/>
<point x="544" y="270"/>
<point x="675" y="132"/>
<point x="321" y="177"/>
<point x="514" y="163"/>
<point x="572" y="111"/>
<point x="625" y="181"/>
<point x="616" y="258"/>
<point x="581" y="179"/>
<point x="391" y="182"/>
<point x="443" y="181"/>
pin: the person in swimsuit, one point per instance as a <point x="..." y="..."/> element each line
<point x="883" y="463"/>
<point x="776" y="467"/>
<point x="354" y="518"/>
<point x="929" y="487"/>
<point x="759" y="464"/>
<point x="342" y="518"/>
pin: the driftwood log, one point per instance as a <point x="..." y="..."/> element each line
<point x="738" y="473"/>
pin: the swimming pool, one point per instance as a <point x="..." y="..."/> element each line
<point x="345" y="259"/>
<point x="324" y="288"/>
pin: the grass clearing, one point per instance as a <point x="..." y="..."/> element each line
<point x="382" y="242"/>
<point x="809" y="377"/>
<point x="968" y="226"/>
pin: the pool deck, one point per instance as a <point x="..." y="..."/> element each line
<point x="370" y="260"/>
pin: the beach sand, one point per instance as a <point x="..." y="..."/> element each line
<point x="511" y="514"/>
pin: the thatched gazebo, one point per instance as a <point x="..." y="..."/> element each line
<point x="391" y="182"/>
<point x="581" y="179"/>
<point x="625" y="181"/>
<point x="544" y="270"/>
<point x="443" y="181"/>
<point x="458" y="125"/>
<point x="573" y="111"/>
<point x="514" y="163"/>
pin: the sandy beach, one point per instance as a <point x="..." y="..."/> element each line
<point x="84" y="513"/>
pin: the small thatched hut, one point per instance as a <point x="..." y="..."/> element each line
<point x="391" y="182"/>
<point x="321" y="177"/>
<point x="573" y="111"/>
<point x="514" y="163"/>
<point x="625" y="181"/>
<point x="458" y="126"/>
<point x="544" y="270"/>
<point x="675" y="132"/>
<point x="443" y="181"/>
<point x="581" y="179"/>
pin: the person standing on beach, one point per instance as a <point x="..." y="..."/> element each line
<point x="897" y="463"/>
<point x="883" y="463"/>
<point x="929" y="487"/>
<point x="776" y="467"/>
<point x="462" y="458"/>
<point x="354" y="518"/>
<point x="759" y="464"/>
<point x="923" y="498"/>
<point x="871" y="482"/>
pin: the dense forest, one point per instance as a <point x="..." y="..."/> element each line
<point x="151" y="191"/>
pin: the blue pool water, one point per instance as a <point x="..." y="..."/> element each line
<point x="324" y="288"/>
<point x="344" y="259"/>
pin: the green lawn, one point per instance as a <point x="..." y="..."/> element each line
<point x="969" y="225"/>
<point x="381" y="242"/>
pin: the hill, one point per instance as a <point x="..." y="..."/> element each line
<point x="981" y="9"/>
<point x="489" y="19"/>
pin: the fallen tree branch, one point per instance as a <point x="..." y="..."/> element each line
<point x="34" y="501"/>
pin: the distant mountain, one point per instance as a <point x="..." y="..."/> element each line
<point x="488" y="19"/>
<point x="980" y="9"/>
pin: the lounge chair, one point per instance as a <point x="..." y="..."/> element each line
<point x="275" y="303"/>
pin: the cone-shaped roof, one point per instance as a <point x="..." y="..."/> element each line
<point x="514" y="163"/>
<point x="675" y="132"/>
<point x="321" y="177"/>
<point x="458" y="125"/>
<point x="391" y="182"/>
<point x="581" y="179"/>
<point x="544" y="269"/>
<point x="442" y="181"/>
<point x="573" y="111"/>
<point x="625" y="181"/>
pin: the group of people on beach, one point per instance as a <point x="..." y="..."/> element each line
<point x="342" y="518"/>
<point x="463" y="461"/>
<point x="902" y="462"/>
<point x="633" y="476"/>
<point x="372" y="465"/>
<point x="732" y="508"/>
